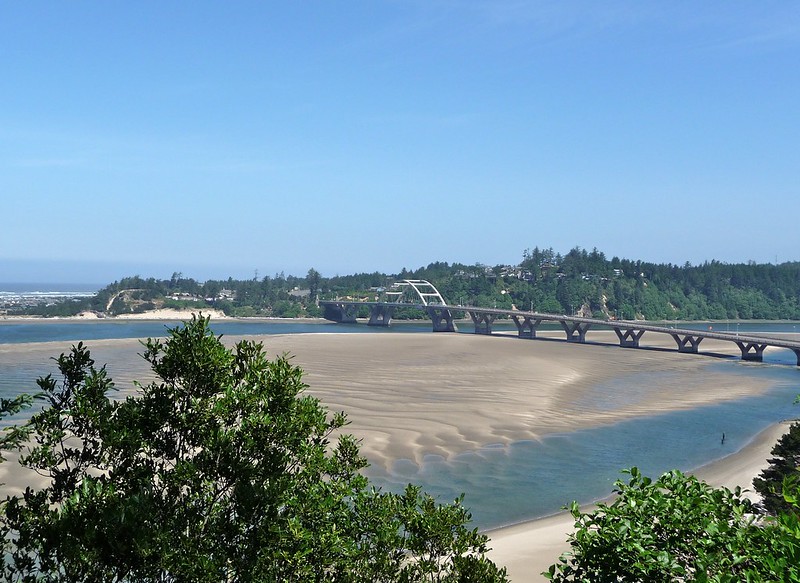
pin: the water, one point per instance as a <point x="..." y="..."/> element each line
<point x="49" y="289"/>
<point x="16" y="331"/>
<point x="530" y="479"/>
<point x="526" y="479"/>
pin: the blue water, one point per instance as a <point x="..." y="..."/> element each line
<point x="15" y="331"/>
<point x="530" y="478"/>
<point x="48" y="288"/>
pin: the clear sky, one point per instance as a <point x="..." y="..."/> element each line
<point x="218" y="139"/>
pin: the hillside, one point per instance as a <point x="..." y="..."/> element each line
<point x="580" y="281"/>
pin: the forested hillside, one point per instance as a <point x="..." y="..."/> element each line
<point x="546" y="281"/>
<point x="580" y="281"/>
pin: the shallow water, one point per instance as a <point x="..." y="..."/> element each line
<point x="530" y="479"/>
<point x="504" y="484"/>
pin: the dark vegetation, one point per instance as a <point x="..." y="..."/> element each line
<point x="581" y="281"/>
<point x="678" y="528"/>
<point x="784" y="465"/>
<point x="221" y="469"/>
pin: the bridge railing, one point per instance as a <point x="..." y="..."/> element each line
<point x="629" y="332"/>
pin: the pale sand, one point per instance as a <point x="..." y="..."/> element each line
<point x="408" y="395"/>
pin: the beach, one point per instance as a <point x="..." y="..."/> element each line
<point x="409" y="396"/>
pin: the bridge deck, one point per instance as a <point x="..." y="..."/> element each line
<point x="751" y="345"/>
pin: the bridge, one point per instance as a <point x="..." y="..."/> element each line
<point x="422" y="295"/>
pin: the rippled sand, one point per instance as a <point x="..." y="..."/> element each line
<point x="408" y="395"/>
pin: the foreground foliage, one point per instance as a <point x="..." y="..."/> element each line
<point x="678" y="528"/>
<point x="220" y="470"/>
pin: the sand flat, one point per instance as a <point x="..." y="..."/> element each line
<point x="409" y="395"/>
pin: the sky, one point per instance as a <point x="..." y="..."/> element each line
<point x="246" y="139"/>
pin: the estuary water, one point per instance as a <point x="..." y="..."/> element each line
<point x="532" y="479"/>
<point x="527" y="479"/>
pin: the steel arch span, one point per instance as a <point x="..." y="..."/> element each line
<point x="424" y="290"/>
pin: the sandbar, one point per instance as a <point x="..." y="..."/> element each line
<point x="408" y="395"/>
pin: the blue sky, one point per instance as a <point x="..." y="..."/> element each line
<point x="218" y="139"/>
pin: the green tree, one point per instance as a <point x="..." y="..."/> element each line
<point x="678" y="528"/>
<point x="221" y="469"/>
<point x="313" y="279"/>
<point x="784" y="464"/>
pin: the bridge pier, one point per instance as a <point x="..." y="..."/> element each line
<point x="483" y="322"/>
<point x="380" y="315"/>
<point x="755" y="351"/>
<point x="526" y="328"/>
<point x="688" y="343"/>
<point x="344" y="313"/>
<point x="442" y="319"/>
<point x="576" y="331"/>
<point x="630" y="338"/>
<point x="797" y="354"/>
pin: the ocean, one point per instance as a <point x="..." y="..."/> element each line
<point x="48" y="289"/>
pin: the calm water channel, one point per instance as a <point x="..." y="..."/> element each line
<point x="527" y="479"/>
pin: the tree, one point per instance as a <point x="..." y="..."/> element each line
<point x="313" y="279"/>
<point x="678" y="528"/>
<point x="221" y="469"/>
<point x="785" y="463"/>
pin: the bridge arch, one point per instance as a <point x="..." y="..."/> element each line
<point x="424" y="290"/>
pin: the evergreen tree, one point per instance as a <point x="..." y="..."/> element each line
<point x="784" y="464"/>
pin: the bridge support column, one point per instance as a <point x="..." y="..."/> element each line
<point x="576" y="331"/>
<point x="688" y="343"/>
<point x="442" y="319"/>
<point x="380" y="315"/>
<point x="527" y="327"/>
<point x="483" y="322"/>
<point x="797" y="354"/>
<point x="753" y="351"/>
<point x="629" y="338"/>
<point x="341" y="312"/>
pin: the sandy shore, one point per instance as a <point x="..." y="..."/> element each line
<point x="530" y="548"/>
<point x="409" y="395"/>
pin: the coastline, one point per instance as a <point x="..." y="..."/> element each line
<point x="168" y="314"/>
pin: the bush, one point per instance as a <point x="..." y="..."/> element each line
<point x="678" y="528"/>
<point x="785" y="464"/>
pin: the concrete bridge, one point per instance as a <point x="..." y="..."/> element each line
<point x="629" y="332"/>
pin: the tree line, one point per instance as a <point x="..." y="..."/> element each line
<point x="580" y="281"/>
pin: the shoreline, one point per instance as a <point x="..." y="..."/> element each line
<point x="528" y="548"/>
<point x="158" y="316"/>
